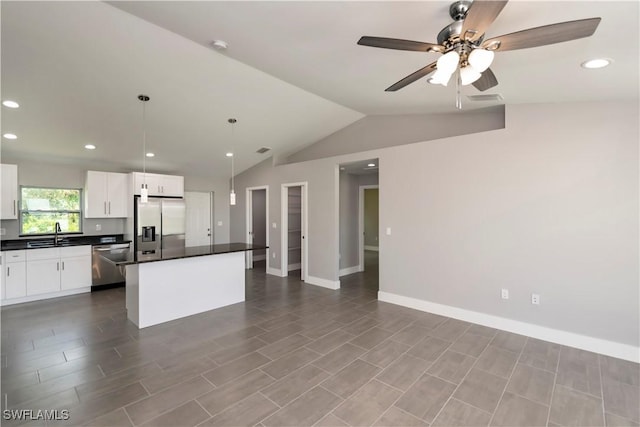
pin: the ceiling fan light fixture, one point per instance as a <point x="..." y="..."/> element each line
<point x="481" y="59"/>
<point x="469" y="75"/>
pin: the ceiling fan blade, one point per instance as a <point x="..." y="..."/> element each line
<point x="487" y="81"/>
<point x="547" y="34"/>
<point x="480" y="16"/>
<point x="399" y="44"/>
<point x="412" y="77"/>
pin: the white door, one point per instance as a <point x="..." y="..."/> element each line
<point x="199" y="231"/>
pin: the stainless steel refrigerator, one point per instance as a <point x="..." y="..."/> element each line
<point x="159" y="224"/>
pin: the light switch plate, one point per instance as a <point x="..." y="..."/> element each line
<point x="219" y="223"/>
<point x="274" y="225"/>
<point x="388" y="231"/>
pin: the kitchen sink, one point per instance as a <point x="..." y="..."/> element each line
<point x="46" y="244"/>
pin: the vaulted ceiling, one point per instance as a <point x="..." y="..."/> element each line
<point x="292" y="74"/>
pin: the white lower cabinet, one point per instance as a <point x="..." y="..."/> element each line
<point x="34" y="272"/>
<point x="43" y="275"/>
<point x="14" y="274"/>
<point x="75" y="272"/>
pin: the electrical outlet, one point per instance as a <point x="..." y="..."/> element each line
<point x="388" y="231"/>
<point x="98" y="227"/>
<point x="273" y="255"/>
<point x="219" y="223"/>
<point x="3" y="231"/>
<point x="505" y="294"/>
<point x="535" y="299"/>
<point x="274" y="225"/>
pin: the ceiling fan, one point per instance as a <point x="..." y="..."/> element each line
<point x="465" y="51"/>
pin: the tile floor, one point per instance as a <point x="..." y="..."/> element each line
<point x="300" y="355"/>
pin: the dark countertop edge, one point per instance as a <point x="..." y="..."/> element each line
<point x="70" y="240"/>
<point x="146" y="261"/>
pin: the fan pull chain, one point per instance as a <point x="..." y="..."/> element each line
<point x="458" y="94"/>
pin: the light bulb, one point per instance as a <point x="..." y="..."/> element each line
<point x="469" y="75"/>
<point x="481" y="59"/>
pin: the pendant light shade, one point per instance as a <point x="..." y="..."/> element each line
<point x="469" y="75"/>
<point x="144" y="190"/>
<point x="481" y="59"/>
<point x="232" y="194"/>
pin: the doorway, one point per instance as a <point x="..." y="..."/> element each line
<point x="358" y="224"/>
<point x="294" y="230"/>
<point x="199" y="218"/>
<point x="368" y="225"/>
<point x="257" y="226"/>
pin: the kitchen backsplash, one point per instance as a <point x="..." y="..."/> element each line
<point x="89" y="227"/>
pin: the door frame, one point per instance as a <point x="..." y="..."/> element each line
<point x="249" y="223"/>
<point x="284" y="239"/>
<point x="361" y="223"/>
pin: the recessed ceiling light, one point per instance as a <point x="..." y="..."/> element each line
<point x="150" y="155"/>
<point x="10" y="104"/>
<point x="596" y="63"/>
<point x="90" y="147"/>
<point x="220" y="44"/>
<point x="10" y="136"/>
<point x="229" y="154"/>
<point x="371" y="165"/>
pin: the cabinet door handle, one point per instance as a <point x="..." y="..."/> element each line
<point x="8" y="271"/>
<point x="105" y="207"/>
<point x="63" y="265"/>
<point x="14" y="207"/>
<point x="58" y="266"/>
<point x="109" y="208"/>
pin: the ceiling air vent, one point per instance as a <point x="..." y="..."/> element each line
<point x="263" y="150"/>
<point x="487" y="97"/>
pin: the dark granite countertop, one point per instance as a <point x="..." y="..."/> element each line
<point x="66" y="240"/>
<point x="178" y="253"/>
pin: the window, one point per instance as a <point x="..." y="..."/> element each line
<point x="41" y="208"/>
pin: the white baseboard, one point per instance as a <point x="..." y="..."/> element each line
<point x="275" y="272"/>
<point x="349" y="270"/>
<point x="571" y="339"/>
<point x="330" y="284"/>
<point x="39" y="297"/>
<point x="259" y="257"/>
<point x="292" y="267"/>
<point x="370" y="248"/>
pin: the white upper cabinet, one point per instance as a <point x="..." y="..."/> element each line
<point x="105" y="195"/>
<point x="9" y="189"/>
<point x="159" y="185"/>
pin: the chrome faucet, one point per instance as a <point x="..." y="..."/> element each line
<point x="58" y="229"/>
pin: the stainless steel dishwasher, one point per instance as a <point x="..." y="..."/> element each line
<point x="104" y="271"/>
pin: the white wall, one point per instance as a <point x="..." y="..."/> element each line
<point x="547" y="205"/>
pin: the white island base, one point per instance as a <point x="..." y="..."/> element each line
<point x="157" y="292"/>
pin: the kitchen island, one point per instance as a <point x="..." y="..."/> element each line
<point x="169" y="284"/>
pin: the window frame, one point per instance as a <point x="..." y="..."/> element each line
<point x="22" y="210"/>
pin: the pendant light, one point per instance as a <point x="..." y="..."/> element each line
<point x="232" y="195"/>
<point x="144" y="191"/>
